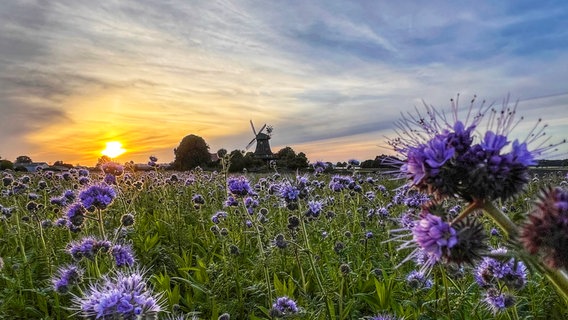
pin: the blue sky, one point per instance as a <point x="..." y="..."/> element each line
<point x="331" y="77"/>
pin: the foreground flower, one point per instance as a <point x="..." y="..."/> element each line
<point x="445" y="156"/>
<point x="121" y="296"/>
<point x="546" y="231"/>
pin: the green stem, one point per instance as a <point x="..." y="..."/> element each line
<point x="101" y="223"/>
<point x="500" y="218"/>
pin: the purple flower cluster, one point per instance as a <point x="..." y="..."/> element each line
<point x="338" y="183"/>
<point x="123" y="255"/>
<point x="88" y="247"/>
<point x="315" y="208"/>
<point x="434" y="236"/>
<point x="76" y="214"/>
<point x="239" y="186"/>
<point x="124" y="296"/>
<point x="67" y="276"/>
<point x="98" y="196"/>
<point x="498" y="301"/>
<point x="319" y="167"/>
<point x="505" y="270"/>
<point x="289" y="192"/>
<point x="444" y="158"/>
<point x="283" y="306"/>
<point x="218" y="216"/>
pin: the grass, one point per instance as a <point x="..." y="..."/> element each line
<point x="329" y="265"/>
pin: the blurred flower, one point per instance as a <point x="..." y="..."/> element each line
<point x="418" y="280"/>
<point x="546" y="231"/>
<point x="87" y="247"/>
<point x="498" y="301"/>
<point x="66" y="277"/>
<point x="112" y="168"/>
<point x="76" y="214"/>
<point x="123" y="255"/>
<point x="383" y="316"/>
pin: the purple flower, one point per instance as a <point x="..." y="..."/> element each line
<point x="289" y="192"/>
<point x="441" y="156"/>
<point x="434" y="236"/>
<point x="66" y="277"/>
<point x="198" y="199"/>
<point x="98" y="196"/>
<point x="546" y="231"/>
<point x="231" y="202"/>
<point x="283" y="306"/>
<point x="124" y="296"/>
<point x="498" y="301"/>
<point x="76" y="214"/>
<point x="123" y="255"/>
<point x="418" y="280"/>
<point x="239" y="186"/>
<point x="217" y="217"/>
<point x="509" y="271"/>
<point x="87" y="247"/>
<point x="314" y="208"/>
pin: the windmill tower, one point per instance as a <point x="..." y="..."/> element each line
<point x="262" y="150"/>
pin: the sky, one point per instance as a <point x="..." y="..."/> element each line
<point x="331" y="77"/>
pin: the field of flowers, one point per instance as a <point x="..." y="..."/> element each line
<point x="208" y="245"/>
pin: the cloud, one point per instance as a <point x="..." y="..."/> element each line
<point x="74" y="74"/>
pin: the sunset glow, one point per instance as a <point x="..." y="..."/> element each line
<point x="113" y="149"/>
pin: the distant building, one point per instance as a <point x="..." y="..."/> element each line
<point x="31" y="167"/>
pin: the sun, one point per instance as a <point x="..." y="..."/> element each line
<point x="113" y="149"/>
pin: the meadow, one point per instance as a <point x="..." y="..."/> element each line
<point x="203" y="245"/>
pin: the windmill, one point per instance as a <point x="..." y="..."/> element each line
<point x="262" y="146"/>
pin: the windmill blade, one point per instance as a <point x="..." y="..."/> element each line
<point x="264" y="126"/>
<point x="252" y="126"/>
<point x="250" y="143"/>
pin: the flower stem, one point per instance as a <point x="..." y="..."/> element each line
<point x="101" y="223"/>
<point x="500" y="218"/>
<point x="472" y="207"/>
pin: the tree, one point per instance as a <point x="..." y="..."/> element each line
<point x="6" y="164"/>
<point x="191" y="152"/>
<point x="288" y="158"/>
<point x="23" y="159"/>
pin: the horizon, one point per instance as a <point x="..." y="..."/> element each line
<point x="331" y="77"/>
